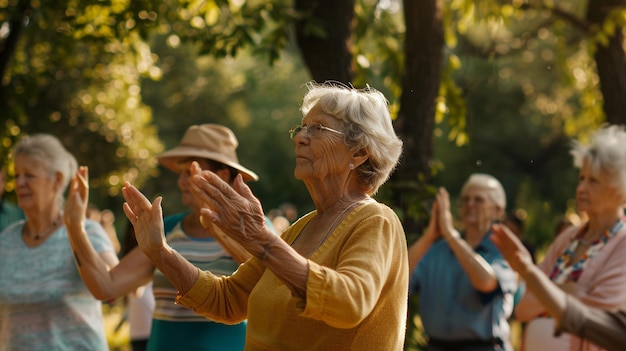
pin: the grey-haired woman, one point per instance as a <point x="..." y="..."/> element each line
<point x="44" y="303"/>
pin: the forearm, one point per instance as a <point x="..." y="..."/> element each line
<point x="287" y="264"/>
<point x="480" y="273"/>
<point x="551" y="297"/>
<point x="178" y="270"/>
<point x="92" y="268"/>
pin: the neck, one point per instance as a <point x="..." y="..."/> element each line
<point x="599" y="223"/>
<point x="191" y="226"/>
<point x="39" y="228"/>
<point x="475" y="234"/>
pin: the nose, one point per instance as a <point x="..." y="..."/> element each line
<point x="20" y="180"/>
<point x="300" y="136"/>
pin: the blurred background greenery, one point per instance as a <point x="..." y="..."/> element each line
<point x="499" y="87"/>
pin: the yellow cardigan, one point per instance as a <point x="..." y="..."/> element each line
<point x="356" y="291"/>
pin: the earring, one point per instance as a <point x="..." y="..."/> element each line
<point x="351" y="166"/>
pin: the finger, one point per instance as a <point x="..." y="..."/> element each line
<point x="134" y="197"/>
<point x="220" y="185"/>
<point x="203" y="192"/>
<point x="195" y="168"/>
<point x="157" y="210"/>
<point x="206" y="213"/>
<point x="129" y="213"/>
<point x="243" y="189"/>
<point x="83" y="183"/>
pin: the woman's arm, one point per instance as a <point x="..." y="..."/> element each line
<point x="103" y="276"/>
<point x="419" y="248"/>
<point x="546" y="294"/>
<point x="480" y="273"/>
<point x="147" y="219"/>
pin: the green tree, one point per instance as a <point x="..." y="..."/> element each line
<point x="73" y="68"/>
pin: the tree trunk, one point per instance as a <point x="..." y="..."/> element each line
<point x="328" y="56"/>
<point x="7" y="50"/>
<point x="610" y="62"/>
<point x="420" y="88"/>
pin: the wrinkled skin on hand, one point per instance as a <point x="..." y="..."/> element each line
<point x="235" y="210"/>
<point x="76" y="204"/>
<point x="146" y="218"/>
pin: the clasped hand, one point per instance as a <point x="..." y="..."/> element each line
<point x="440" y="224"/>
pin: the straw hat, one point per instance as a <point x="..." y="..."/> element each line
<point x="210" y="141"/>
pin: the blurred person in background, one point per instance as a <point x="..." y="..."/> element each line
<point x="175" y="327"/>
<point x="44" y="303"/>
<point x="9" y="212"/>
<point x="587" y="260"/>
<point x="606" y="329"/>
<point x="465" y="286"/>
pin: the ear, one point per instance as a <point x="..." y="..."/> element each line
<point x="58" y="180"/>
<point x="359" y="157"/>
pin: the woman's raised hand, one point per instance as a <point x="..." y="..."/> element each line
<point x="432" y="231"/>
<point x="511" y="248"/>
<point x="146" y="218"/>
<point x="76" y="204"/>
<point x="234" y="210"/>
<point x="446" y="226"/>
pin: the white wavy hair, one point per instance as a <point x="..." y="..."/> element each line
<point x="605" y="153"/>
<point x="367" y="122"/>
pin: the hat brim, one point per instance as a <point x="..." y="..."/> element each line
<point x="170" y="159"/>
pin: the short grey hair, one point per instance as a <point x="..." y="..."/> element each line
<point x="493" y="186"/>
<point x="367" y="121"/>
<point x="53" y="156"/>
<point x="606" y="152"/>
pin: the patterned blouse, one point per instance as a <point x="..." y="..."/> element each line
<point x="565" y="270"/>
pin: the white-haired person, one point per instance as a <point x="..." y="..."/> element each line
<point x="586" y="260"/>
<point x="337" y="279"/>
<point x="464" y="284"/>
<point x="605" y="328"/>
<point x="174" y="327"/>
<point x="44" y="303"/>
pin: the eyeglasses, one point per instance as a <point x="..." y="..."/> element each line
<point x="312" y="130"/>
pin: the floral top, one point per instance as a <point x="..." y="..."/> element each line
<point x="563" y="271"/>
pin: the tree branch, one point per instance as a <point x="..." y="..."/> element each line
<point x="560" y="13"/>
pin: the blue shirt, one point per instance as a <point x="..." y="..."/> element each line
<point x="450" y="308"/>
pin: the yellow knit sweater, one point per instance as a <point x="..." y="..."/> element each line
<point x="356" y="291"/>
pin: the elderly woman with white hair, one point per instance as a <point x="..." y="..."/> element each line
<point x="464" y="284"/>
<point x="44" y="303"/>
<point x="338" y="277"/>
<point x="587" y="260"/>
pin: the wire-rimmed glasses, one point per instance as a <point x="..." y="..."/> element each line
<point x="311" y="130"/>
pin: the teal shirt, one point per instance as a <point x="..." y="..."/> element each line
<point x="9" y="213"/>
<point x="449" y="306"/>
<point x="44" y="304"/>
<point x="175" y="327"/>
